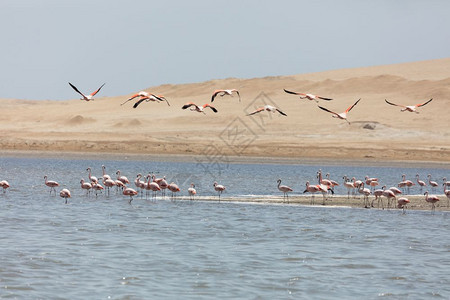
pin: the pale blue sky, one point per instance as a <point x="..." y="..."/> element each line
<point x="132" y="45"/>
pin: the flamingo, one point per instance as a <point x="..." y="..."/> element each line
<point x="372" y="182"/>
<point x="333" y="182"/>
<point x="378" y="193"/>
<point x="140" y="184"/>
<point x="86" y="186"/>
<point x="431" y="199"/>
<point x="222" y="93"/>
<point x="447" y="194"/>
<point x="389" y="194"/>
<point x="268" y="108"/>
<point x="444" y="180"/>
<point x="343" y="115"/>
<point x="152" y="185"/>
<point x="4" y="184"/>
<point x="405" y="182"/>
<point x="365" y="192"/>
<point x="308" y="96"/>
<point x="421" y="183"/>
<point x="356" y="184"/>
<point x="219" y="188"/>
<point x="433" y="184"/>
<point x="97" y="187"/>
<point x="51" y="184"/>
<point x="105" y="176"/>
<point x="197" y="108"/>
<point x="119" y="184"/>
<point x="65" y="193"/>
<point x="349" y="185"/>
<point x="129" y="192"/>
<point x="395" y="190"/>
<point x="92" y="178"/>
<point x="86" y="97"/>
<point x="402" y="203"/>
<point x="152" y="98"/>
<point x="311" y="189"/>
<point x="109" y="183"/>
<point x="285" y="189"/>
<point x="410" y="108"/>
<point x="122" y="178"/>
<point x="192" y="192"/>
<point x="162" y="184"/>
<point x="173" y="188"/>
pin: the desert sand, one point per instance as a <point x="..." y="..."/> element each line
<point x="378" y="131"/>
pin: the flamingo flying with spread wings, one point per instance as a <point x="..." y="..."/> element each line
<point x="144" y="96"/>
<point x="343" y="115"/>
<point x="410" y="108"/>
<point x="195" y="107"/>
<point x="86" y="97"/>
<point x="308" y="96"/>
<point x="268" y="108"/>
<point x="222" y="93"/>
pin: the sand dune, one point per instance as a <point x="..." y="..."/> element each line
<point x="377" y="131"/>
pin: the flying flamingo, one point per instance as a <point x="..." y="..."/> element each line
<point x="433" y="184"/>
<point x="311" y="189"/>
<point x="431" y="199"/>
<point x="51" y="184"/>
<point x="402" y="203"/>
<point x="410" y="108"/>
<point x="122" y="178"/>
<point x="4" y="184"/>
<point x="308" y="96"/>
<point x="219" y="188"/>
<point x="65" y="193"/>
<point x="86" y="97"/>
<point x="195" y="107"/>
<point x="421" y="183"/>
<point x="173" y="188"/>
<point x="222" y="93"/>
<point x="343" y="115"/>
<point x="129" y="192"/>
<point x="92" y="178"/>
<point x="285" y="189"/>
<point x="86" y="186"/>
<point x="192" y="192"/>
<point x="152" y="98"/>
<point x="268" y="108"/>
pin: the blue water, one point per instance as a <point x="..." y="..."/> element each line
<point x="104" y="248"/>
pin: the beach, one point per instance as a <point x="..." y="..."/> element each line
<point x="377" y="131"/>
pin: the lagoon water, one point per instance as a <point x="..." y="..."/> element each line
<point x="104" y="248"/>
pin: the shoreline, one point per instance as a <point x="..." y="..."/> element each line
<point x="232" y="159"/>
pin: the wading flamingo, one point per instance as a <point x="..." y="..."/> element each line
<point x="195" y="107"/>
<point x="222" y="93"/>
<point x="410" y="108"/>
<point x="313" y="189"/>
<point x="105" y="176"/>
<point x="268" y="108"/>
<point x="122" y="178"/>
<point x="109" y="183"/>
<point x="86" y="186"/>
<point x="389" y="194"/>
<point x="65" y="193"/>
<point x="163" y="185"/>
<point x="343" y="115"/>
<point x="152" y="185"/>
<point x="285" y="189"/>
<point x="447" y="194"/>
<point x="173" y="187"/>
<point x="402" y="203"/>
<point x="349" y="185"/>
<point x="86" y="97"/>
<point x="192" y="192"/>
<point x="129" y="192"/>
<point x="308" y="96"/>
<point x="219" y="188"/>
<point x="365" y="192"/>
<point x="421" y="183"/>
<point x="4" y="184"/>
<point x="51" y="184"/>
<point x="433" y="184"/>
<point x="92" y="178"/>
<point x="431" y="199"/>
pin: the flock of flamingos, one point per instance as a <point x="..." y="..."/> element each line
<point x="142" y="96"/>
<point x="150" y="183"/>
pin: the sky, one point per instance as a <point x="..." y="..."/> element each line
<point x="135" y="44"/>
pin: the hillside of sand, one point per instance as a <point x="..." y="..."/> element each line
<point x="377" y="131"/>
